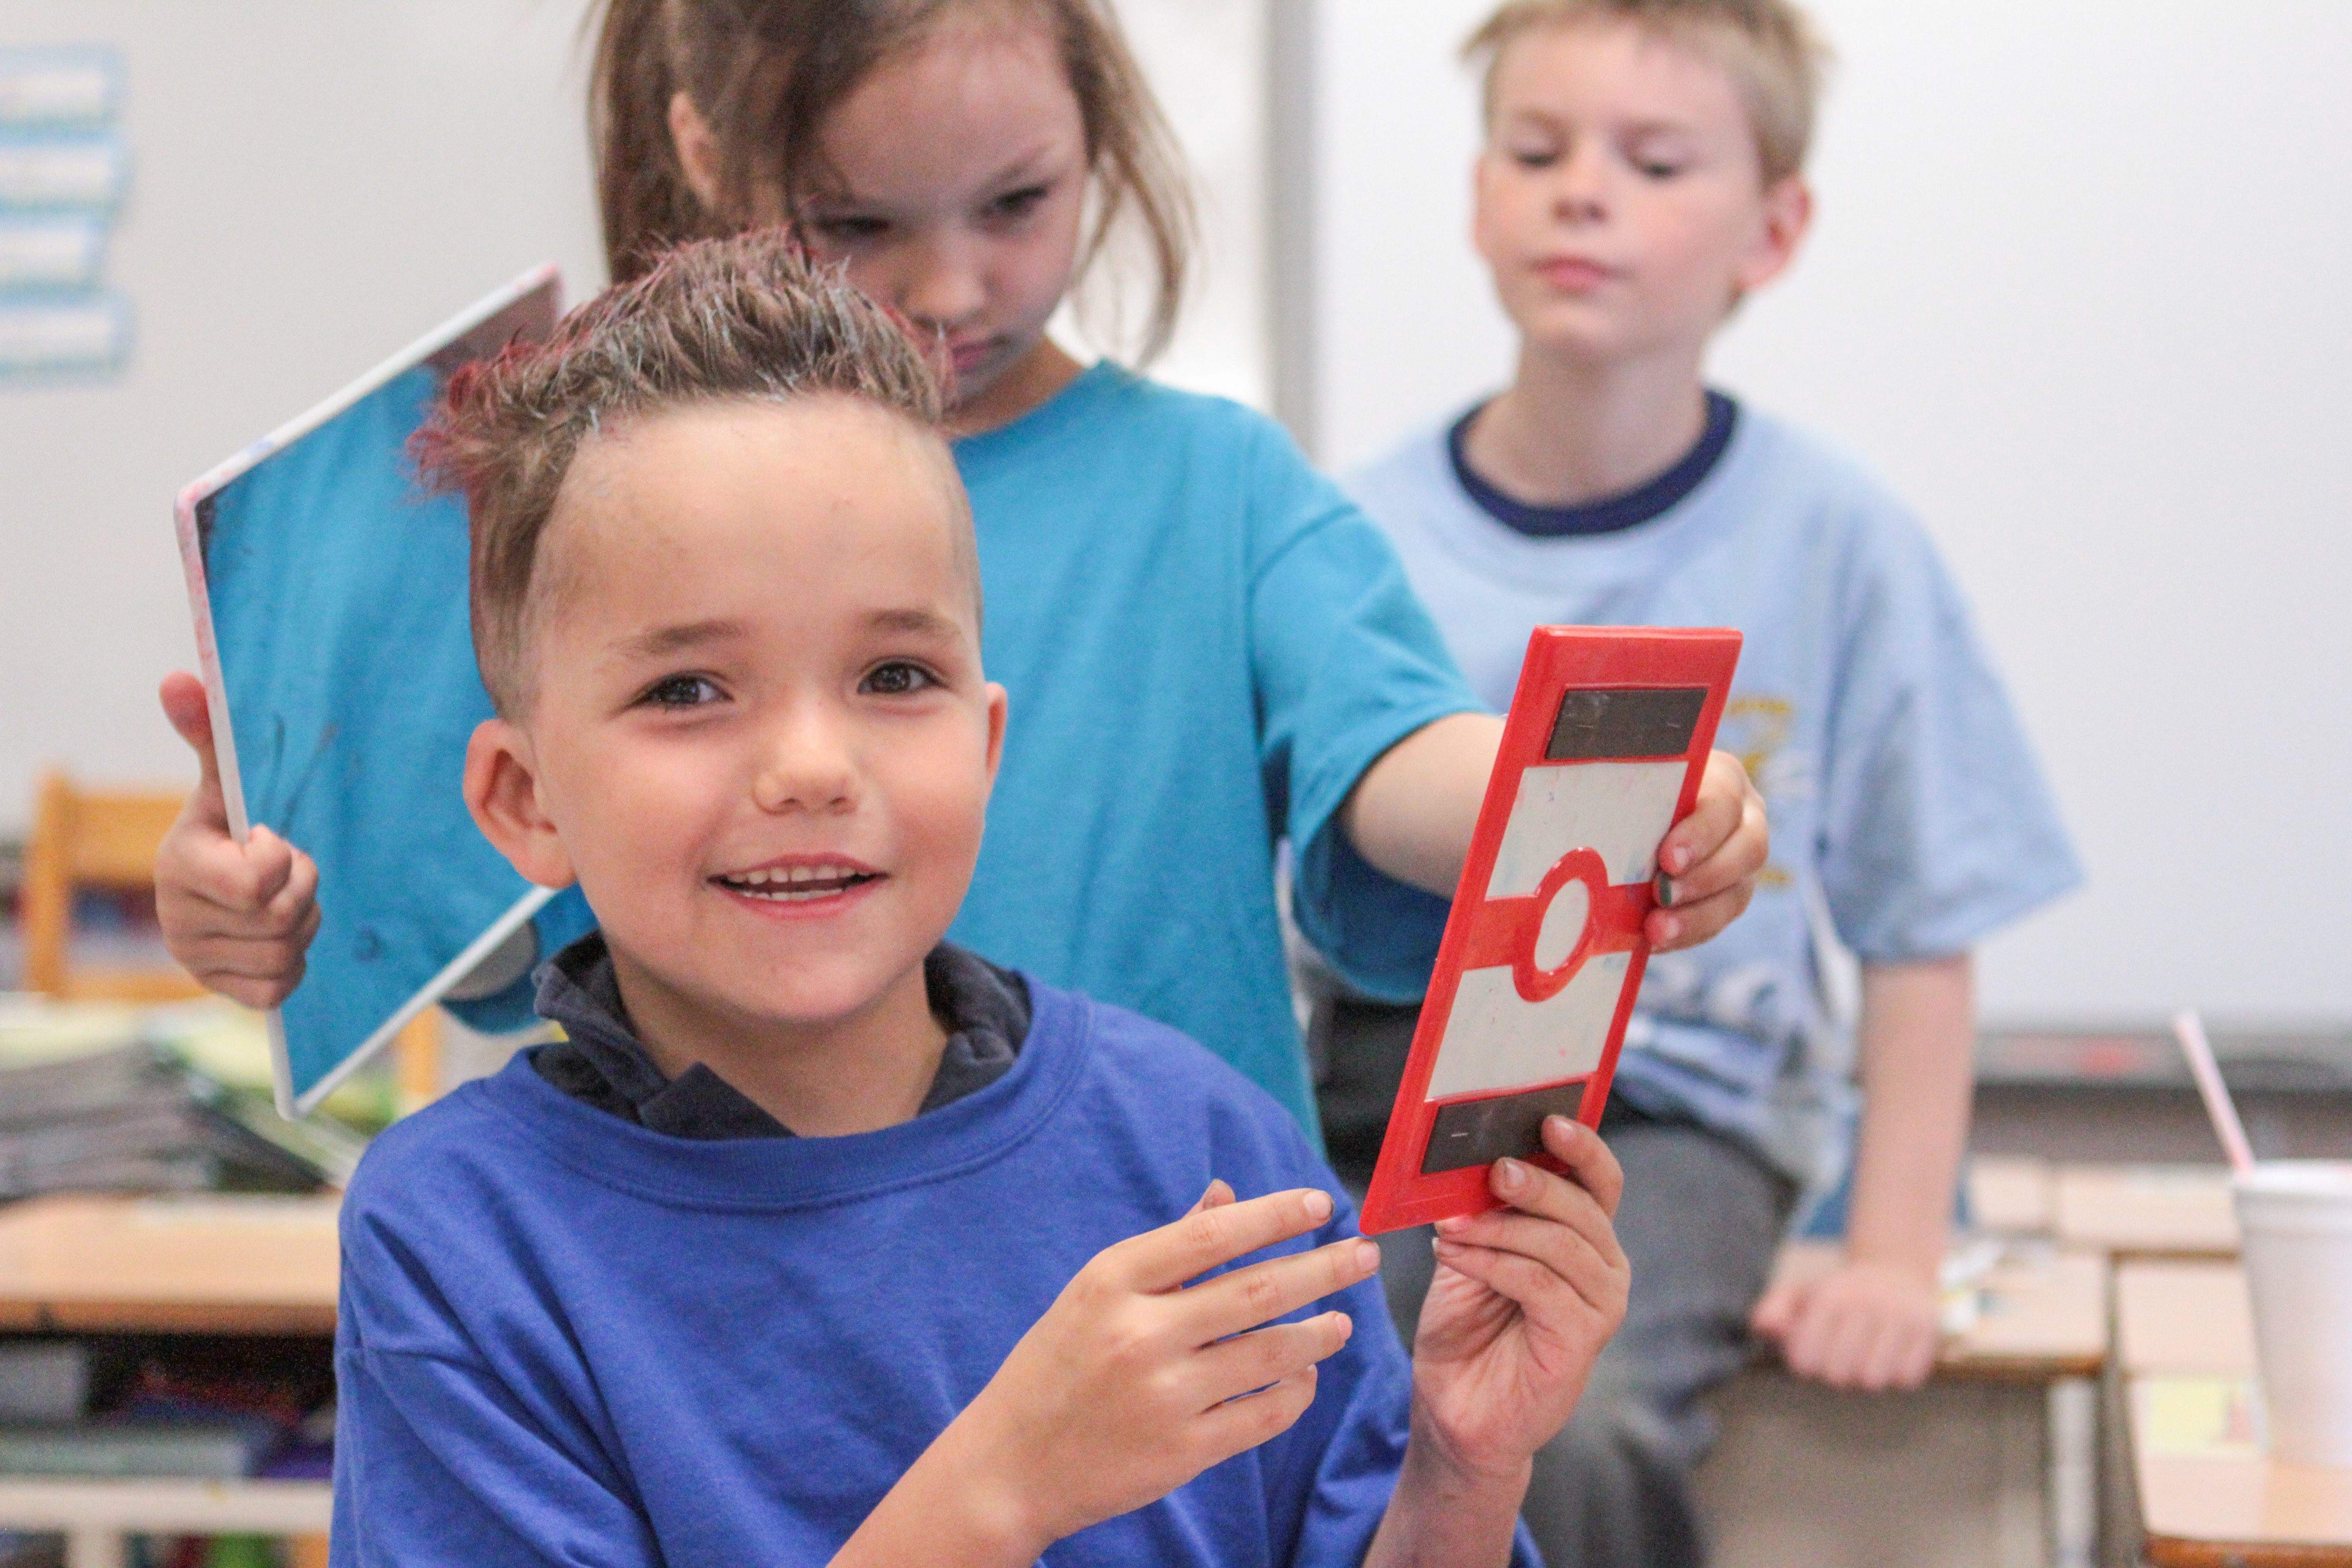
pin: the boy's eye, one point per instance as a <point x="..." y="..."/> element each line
<point x="1658" y="168"/>
<point x="681" y="691"/>
<point x="897" y="678"/>
<point x="1535" y="157"/>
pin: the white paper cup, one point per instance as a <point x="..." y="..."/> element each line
<point x="2295" y="1220"/>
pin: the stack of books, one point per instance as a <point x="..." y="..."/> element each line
<point x="93" y="1407"/>
<point x="141" y="1118"/>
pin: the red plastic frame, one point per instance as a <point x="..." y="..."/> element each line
<point x="1484" y="932"/>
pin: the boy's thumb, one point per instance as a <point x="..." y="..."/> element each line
<point x="190" y="715"/>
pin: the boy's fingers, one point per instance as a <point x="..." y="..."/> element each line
<point x="1719" y="865"/>
<point x="1549" y="1208"/>
<point x="1162" y="1260"/>
<point x="272" y="861"/>
<point x="1671" y="930"/>
<point x="1723" y="791"/>
<point x="1592" y="1268"/>
<point x="1778" y="1310"/>
<point x="300" y="892"/>
<point x="1215" y="1196"/>
<point x="1240" y="1425"/>
<point x="1230" y="1303"/>
<point x="1592" y="1163"/>
<point x="1522" y="1280"/>
<point x="1233" y="1367"/>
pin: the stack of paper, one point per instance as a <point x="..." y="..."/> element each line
<point x="140" y="1117"/>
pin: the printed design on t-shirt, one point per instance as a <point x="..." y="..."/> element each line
<point x="1757" y="730"/>
<point x="1690" y="1001"/>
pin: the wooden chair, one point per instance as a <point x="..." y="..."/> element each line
<point x="88" y="838"/>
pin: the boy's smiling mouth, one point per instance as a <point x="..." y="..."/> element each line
<point x="797" y="882"/>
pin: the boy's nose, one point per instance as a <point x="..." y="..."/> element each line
<point x="1580" y="194"/>
<point x="805" y="767"/>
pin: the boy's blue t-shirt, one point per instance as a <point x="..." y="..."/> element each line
<point x="1206" y="645"/>
<point x="565" y="1339"/>
<point x="1909" y="819"/>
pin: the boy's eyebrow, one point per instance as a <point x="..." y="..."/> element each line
<point x="664" y="640"/>
<point x="915" y="622"/>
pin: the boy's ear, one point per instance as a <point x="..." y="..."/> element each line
<point x="1788" y="213"/>
<point x="502" y="792"/>
<point x="997" y="707"/>
<point x="698" y="150"/>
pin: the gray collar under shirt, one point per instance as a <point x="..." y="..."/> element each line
<point x="601" y="1060"/>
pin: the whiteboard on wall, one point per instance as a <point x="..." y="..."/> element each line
<point x="313" y="186"/>
<point x="2077" y="289"/>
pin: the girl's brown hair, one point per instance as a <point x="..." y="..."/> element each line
<point x="763" y="74"/>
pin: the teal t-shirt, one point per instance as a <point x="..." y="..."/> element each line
<point x="1206" y="644"/>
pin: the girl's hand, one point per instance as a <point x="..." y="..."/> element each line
<point x="1133" y="1383"/>
<point x="1524" y="1299"/>
<point x="1864" y="1325"/>
<point x="238" y="917"/>
<point x="1708" y="862"/>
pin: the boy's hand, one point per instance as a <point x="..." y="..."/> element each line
<point x="1133" y="1383"/>
<point x="1524" y="1299"/>
<point x="238" y="917"/>
<point x="1708" y="862"/>
<point x="1864" y="1325"/>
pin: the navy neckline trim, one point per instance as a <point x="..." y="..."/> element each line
<point x="1611" y="514"/>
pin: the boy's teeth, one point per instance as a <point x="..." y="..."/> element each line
<point x="795" y="882"/>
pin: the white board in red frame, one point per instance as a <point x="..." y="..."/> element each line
<point x="1607" y="739"/>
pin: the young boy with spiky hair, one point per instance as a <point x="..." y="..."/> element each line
<point x="819" y="1239"/>
<point x="1641" y="175"/>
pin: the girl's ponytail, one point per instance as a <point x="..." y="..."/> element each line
<point x="641" y="189"/>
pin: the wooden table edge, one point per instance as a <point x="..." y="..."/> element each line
<point x="2186" y="1551"/>
<point x="256" y="1318"/>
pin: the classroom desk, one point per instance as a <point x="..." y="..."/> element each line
<point x="1993" y="1462"/>
<point x="210" y="1264"/>
<point x="2012" y="1195"/>
<point x="2208" y="1497"/>
<point x="2146" y="1210"/>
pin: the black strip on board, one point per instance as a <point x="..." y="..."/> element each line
<point x="1480" y="1131"/>
<point x="1655" y="723"/>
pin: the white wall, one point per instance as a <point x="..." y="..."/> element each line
<point x="314" y="187"/>
<point x="317" y="184"/>
<point x="2079" y="290"/>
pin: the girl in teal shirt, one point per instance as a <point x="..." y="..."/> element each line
<point x="1209" y="649"/>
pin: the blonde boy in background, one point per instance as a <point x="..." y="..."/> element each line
<point x="1641" y="175"/>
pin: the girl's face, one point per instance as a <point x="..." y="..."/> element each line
<point x="953" y="187"/>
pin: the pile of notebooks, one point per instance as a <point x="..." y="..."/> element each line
<point x="141" y="1118"/>
<point x="116" y="1409"/>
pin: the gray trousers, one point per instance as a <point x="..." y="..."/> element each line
<point x="1701" y="1219"/>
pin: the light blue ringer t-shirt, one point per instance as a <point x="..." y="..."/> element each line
<point x="1206" y="644"/>
<point x="1909" y="818"/>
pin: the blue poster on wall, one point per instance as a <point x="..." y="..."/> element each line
<point x="64" y="172"/>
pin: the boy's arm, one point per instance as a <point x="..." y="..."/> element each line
<point x="1413" y="813"/>
<point x="1872" y="1321"/>
<point x="1524" y="1299"/>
